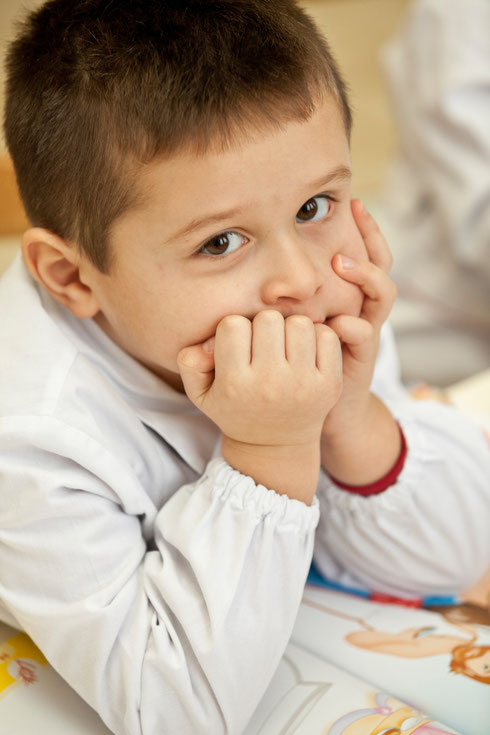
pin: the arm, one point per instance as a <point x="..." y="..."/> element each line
<point x="360" y="439"/>
<point x="427" y="534"/>
<point x="160" y="620"/>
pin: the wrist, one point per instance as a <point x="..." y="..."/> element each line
<point x="352" y="413"/>
<point x="365" y="450"/>
<point x="291" y="470"/>
<point x="379" y="486"/>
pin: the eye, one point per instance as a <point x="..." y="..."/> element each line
<point x="314" y="209"/>
<point x="222" y="244"/>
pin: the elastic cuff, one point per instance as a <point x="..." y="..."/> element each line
<point x="386" y="481"/>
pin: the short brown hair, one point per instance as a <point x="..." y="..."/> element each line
<point x="97" y="88"/>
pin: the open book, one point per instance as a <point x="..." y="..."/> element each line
<point x="360" y="667"/>
<point x="357" y="664"/>
<point x="354" y="666"/>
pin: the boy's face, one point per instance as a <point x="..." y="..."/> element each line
<point x="275" y="229"/>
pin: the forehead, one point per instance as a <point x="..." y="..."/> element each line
<point x="281" y="160"/>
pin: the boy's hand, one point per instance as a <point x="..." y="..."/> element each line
<point x="274" y="379"/>
<point x="269" y="388"/>
<point x="360" y="335"/>
<point x="359" y="425"/>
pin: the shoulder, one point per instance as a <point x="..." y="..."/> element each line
<point x="35" y="355"/>
<point x="49" y="371"/>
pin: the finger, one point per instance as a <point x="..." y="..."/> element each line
<point x="196" y="367"/>
<point x="377" y="248"/>
<point x="232" y="346"/>
<point x="268" y="338"/>
<point x="300" y="342"/>
<point x="374" y="283"/>
<point x="198" y="357"/>
<point x="357" y="334"/>
<point x="328" y="351"/>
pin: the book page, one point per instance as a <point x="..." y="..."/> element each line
<point x="34" y="698"/>
<point x="308" y="696"/>
<point x="438" y="660"/>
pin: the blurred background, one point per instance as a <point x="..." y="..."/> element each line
<point x="419" y="79"/>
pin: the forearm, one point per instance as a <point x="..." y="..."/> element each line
<point x="364" y="450"/>
<point x="292" y="471"/>
<point x="154" y="626"/>
<point x="430" y="536"/>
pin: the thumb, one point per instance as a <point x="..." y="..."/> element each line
<point x="196" y="365"/>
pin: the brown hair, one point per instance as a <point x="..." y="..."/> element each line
<point x="98" y="88"/>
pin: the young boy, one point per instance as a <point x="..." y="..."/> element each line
<point x="192" y="375"/>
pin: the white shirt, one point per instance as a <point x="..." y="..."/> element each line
<point x="162" y="584"/>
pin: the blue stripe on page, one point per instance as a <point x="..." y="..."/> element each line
<point x="315" y="578"/>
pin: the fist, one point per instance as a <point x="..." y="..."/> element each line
<point x="270" y="382"/>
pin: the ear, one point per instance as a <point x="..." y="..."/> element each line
<point x="55" y="264"/>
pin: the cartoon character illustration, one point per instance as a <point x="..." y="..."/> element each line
<point x="385" y="719"/>
<point x="467" y="657"/>
<point x="19" y="662"/>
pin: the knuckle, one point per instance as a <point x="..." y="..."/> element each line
<point x="185" y="358"/>
<point x="325" y="333"/>
<point x="232" y="321"/>
<point x="268" y="316"/>
<point x="299" y="320"/>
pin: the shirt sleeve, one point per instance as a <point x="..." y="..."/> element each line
<point x="177" y="634"/>
<point x="427" y="534"/>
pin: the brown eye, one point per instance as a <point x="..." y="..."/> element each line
<point x="314" y="209"/>
<point x="222" y="244"/>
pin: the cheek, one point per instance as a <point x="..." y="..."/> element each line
<point x="352" y="242"/>
<point x="199" y="309"/>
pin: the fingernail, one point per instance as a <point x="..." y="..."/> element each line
<point x="208" y="345"/>
<point x="346" y="262"/>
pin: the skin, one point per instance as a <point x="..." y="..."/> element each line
<point x="291" y="333"/>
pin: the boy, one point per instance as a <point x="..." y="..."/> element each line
<point x="189" y="345"/>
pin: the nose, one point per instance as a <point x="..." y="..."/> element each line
<point x="290" y="272"/>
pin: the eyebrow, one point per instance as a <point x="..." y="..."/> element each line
<point x="340" y="173"/>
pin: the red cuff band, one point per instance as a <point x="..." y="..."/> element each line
<point x="384" y="482"/>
